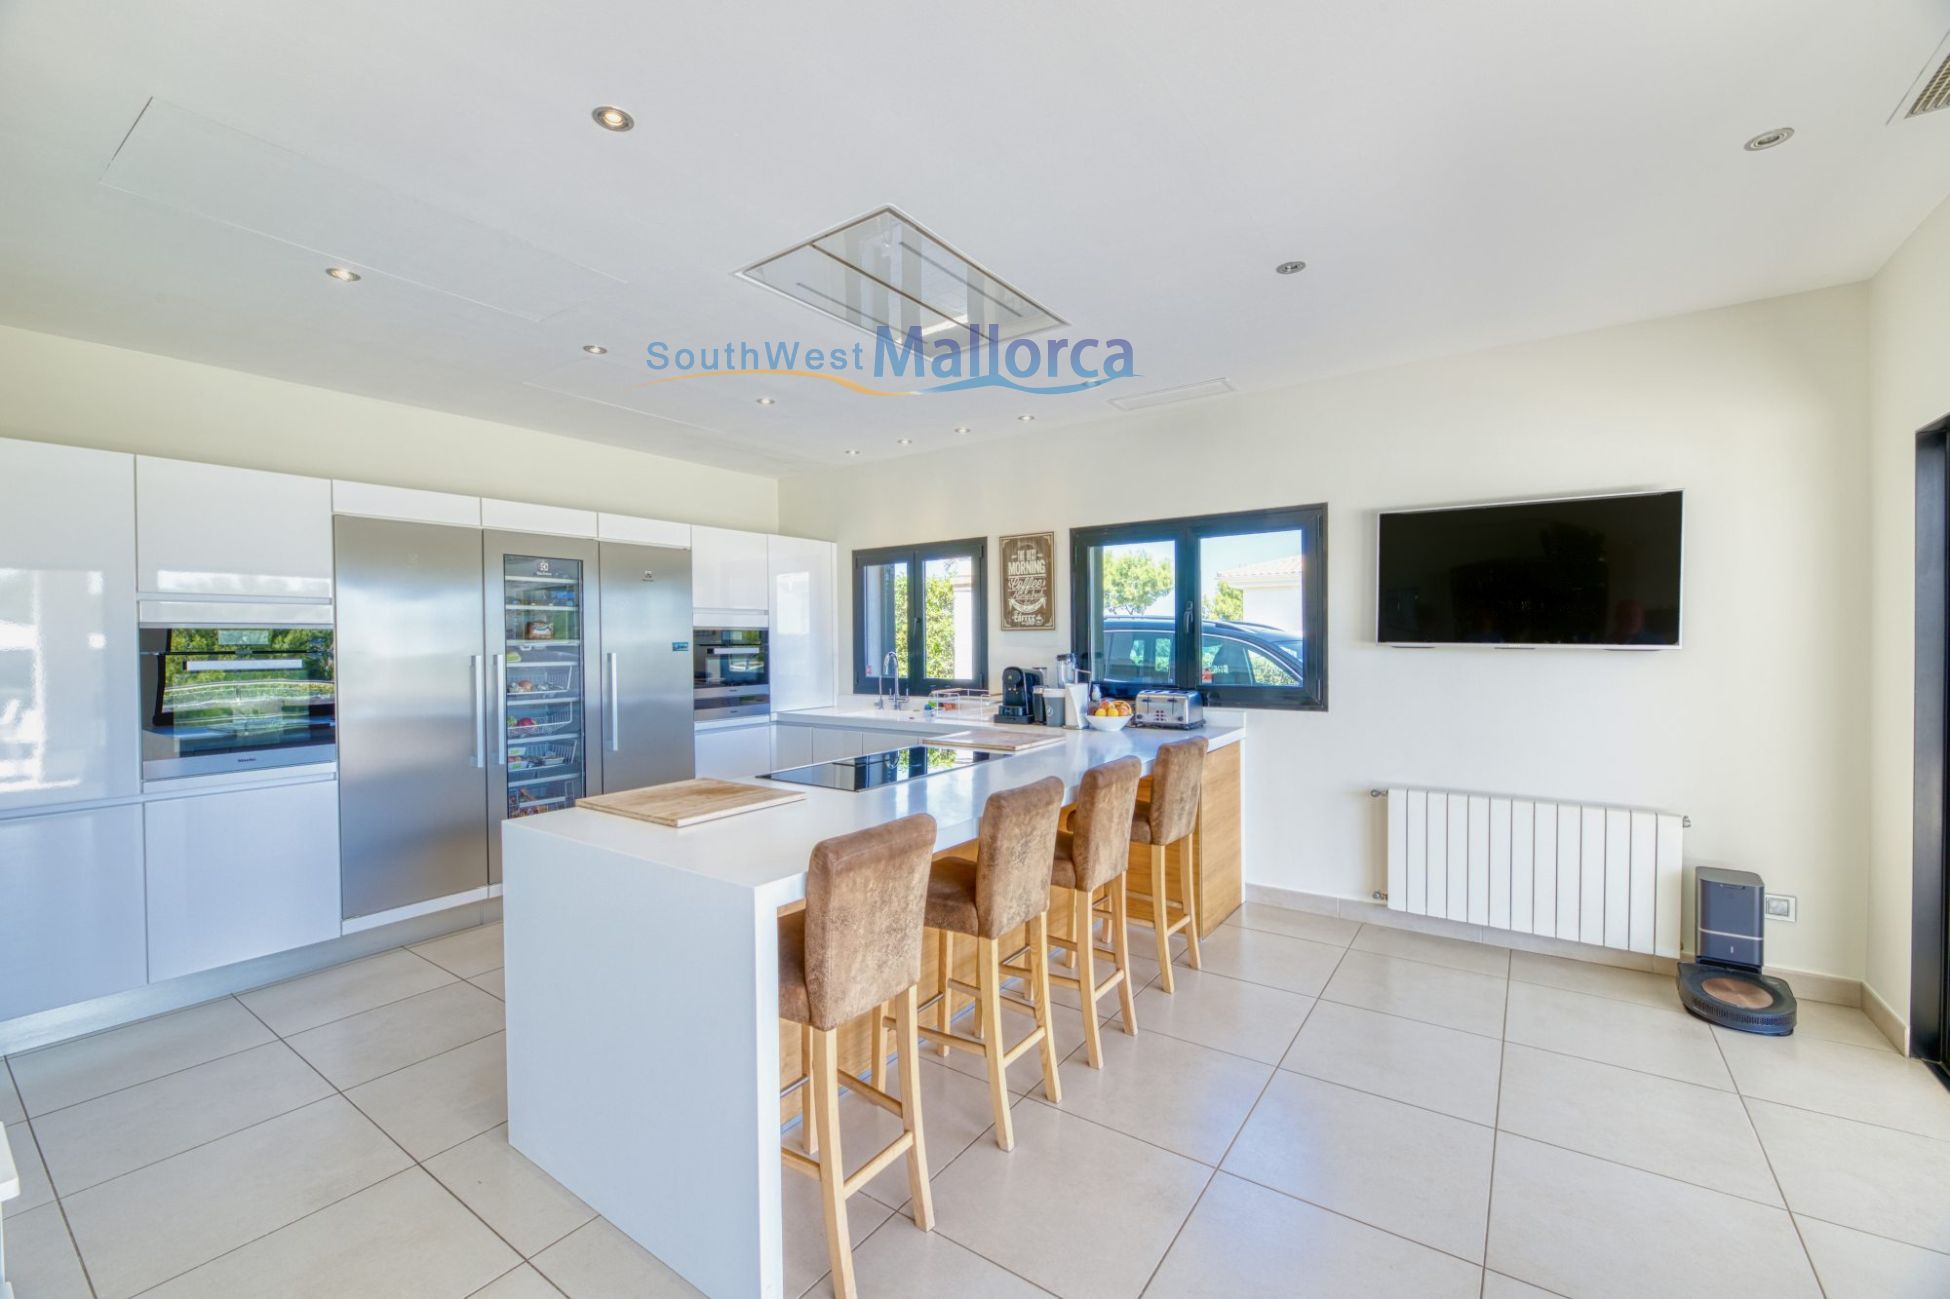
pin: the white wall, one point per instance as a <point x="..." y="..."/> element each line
<point x="62" y="390"/>
<point x="1909" y="330"/>
<point x="1756" y="728"/>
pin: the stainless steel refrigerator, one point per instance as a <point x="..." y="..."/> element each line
<point x="484" y="675"/>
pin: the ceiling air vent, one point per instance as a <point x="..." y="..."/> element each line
<point x="1167" y="396"/>
<point x="1935" y="93"/>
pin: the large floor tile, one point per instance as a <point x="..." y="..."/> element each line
<point x="1294" y="924"/>
<point x="1597" y="980"/>
<point x="1187" y="1098"/>
<point x="320" y="998"/>
<point x="41" y="1262"/>
<point x="405" y="1236"/>
<point x="1293" y="964"/>
<point x="1498" y="1286"/>
<point x="93" y="1066"/>
<point x="955" y="1112"/>
<point x="528" y="1208"/>
<point x="900" y="1260"/>
<point x="1586" y="1227"/>
<point x="1246" y="1240"/>
<point x="11" y="1110"/>
<point x="1670" y="1043"/>
<point x="1874" y="1179"/>
<point x="1434" y="994"/>
<point x="1076" y="1208"/>
<point x="600" y="1262"/>
<point x="1685" y="1131"/>
<point x="1856" y="1265"/>
<point x="1851" y="1081"/>
<point x="523" y="1282"/>
<point x="494" y="982"/>
<point x="157" y="1222"/>
<point x="1026" y="1074"/>
<point x="1438" y="1068"/>
<point x="1418" y="1174"/>
<point x="1456" y="953"/>
<point x="467" y="953"/>
<point x="1224" y="1013"/>
<point x="365" y="1046"/>
<point x="804" y="1227"/>
<point x="438" y="1103"/>
<point x="35" y="1187"/>
<point x="91" y="1142"/>
<point x="1834" y="1023"/>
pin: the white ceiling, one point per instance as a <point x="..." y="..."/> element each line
<point x="1456" y="174"/>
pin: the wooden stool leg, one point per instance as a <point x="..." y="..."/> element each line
<point x="1120" y="946"/>
<point x="832" y="1175"/>
<point x="1086" y="954"/>
<point x="1188" y="879"/>
<point x="945" y="959"/>
<point x="1039" y="970"/>
<point x="988" y="977"/>
<point x="808" y="1126"/>
<point x="877" y="1048"/>
<point x="1161" y="915"/>
<point x="908" y="1043"/>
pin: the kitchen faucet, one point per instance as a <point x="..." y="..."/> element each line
<point x="887" y="665"/>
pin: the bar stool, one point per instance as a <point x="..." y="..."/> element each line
<point x="1007" y="885"/>
<point x="856" y="946"/>
<point x="1092" y="855"/>
<point x="1168" y="817"/>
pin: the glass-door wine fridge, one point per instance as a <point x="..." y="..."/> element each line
<point x="543" y="639"/>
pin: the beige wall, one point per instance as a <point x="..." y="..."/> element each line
<point x="1757" y="728"/>
<point x="1909" y="334"/>
<point x="61" y="390"/>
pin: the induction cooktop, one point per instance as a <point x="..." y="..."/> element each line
<point x="874" y="770"/>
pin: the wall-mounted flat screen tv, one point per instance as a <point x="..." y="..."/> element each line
<point x="1594" y="570"/>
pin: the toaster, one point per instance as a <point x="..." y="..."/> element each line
<point x="1180" y="710"/>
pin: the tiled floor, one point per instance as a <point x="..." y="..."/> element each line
<point x="1327" y="1109"/>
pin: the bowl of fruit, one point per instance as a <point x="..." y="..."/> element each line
<point x="1108" y="715"/>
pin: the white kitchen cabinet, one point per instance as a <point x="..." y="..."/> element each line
<point x="215" y="530"/>
<point x="729" y="571"/>
<point x="803" y="644"/>
<point x="71" y="926"/>
<point x="69" y="724"/>
<point x="830" y="742"/>
<point x="792" y="746"/>
<point x="519" y="516"/>
<point x="412" y="504"/>
<point x="240" y="874"/>
<point x="735" y="752"/>
<point x="643" y="532"/>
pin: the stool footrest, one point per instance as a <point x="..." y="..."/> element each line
<point x="872" y="1168"/>
<point x="866" y="1091"/>
<point x="800" y="1161"/>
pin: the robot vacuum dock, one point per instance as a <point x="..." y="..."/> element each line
<point x="1725" y="985"/>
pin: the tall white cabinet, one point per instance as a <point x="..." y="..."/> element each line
<point x="728" y="575"/>
<point x="216" y="530"/>
<point x="800" y="577"/>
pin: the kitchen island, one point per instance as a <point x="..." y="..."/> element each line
<point x="644" y="1053"/>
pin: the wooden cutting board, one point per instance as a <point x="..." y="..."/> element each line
<point x="688" y="802"/>
<point x="1000" y="740"/>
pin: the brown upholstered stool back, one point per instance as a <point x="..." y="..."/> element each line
<point x="866" y="894"/>
<point x="1013" y="856"/>
<point x="1175" y="778"/>
<point x="1100" y="834"/>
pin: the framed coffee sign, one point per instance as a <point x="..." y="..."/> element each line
<point x="1028" y="570"/>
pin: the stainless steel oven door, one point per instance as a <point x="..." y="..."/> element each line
<point x="221" y="699"/>
<point x="728" y="658"/>
<point x="717" y="703"/>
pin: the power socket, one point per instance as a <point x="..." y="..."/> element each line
<point x="1780" y="906"/>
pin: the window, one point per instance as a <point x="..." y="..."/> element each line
<point x="1231" y="605"/>
<point x="937" y="640"/>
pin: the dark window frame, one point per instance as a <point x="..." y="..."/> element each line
<point x="1185" y="534"/>
<point x="916" y="558"/>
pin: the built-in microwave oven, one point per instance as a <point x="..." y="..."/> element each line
<point x="221" y="699"/>
<point x="728" y="673"/>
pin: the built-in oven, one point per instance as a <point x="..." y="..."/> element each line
<point x="221" y="699"/>
<point x="728" y="673"/>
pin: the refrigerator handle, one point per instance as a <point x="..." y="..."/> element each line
<point x="480" y="713"/>
<point x="499" y="683"/>
<point x="615" y="705"/>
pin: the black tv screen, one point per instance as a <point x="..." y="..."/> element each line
<point x="1596" y="570"/>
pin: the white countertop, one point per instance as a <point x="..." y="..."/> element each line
<point x="766" y="851"/>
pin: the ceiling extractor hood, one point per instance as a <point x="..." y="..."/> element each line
<point x="885" y="271"/>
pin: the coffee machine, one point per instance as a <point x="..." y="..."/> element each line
<point x="1021" y="704"/>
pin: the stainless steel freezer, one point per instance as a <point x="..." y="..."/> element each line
<point x="647" y="732"/>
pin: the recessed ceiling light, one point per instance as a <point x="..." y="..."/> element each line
<point x="612" y="118"/>
<point x="962" y="428"/>
<point x="1290" y="268"/>
<point x="1768" y="139"/>
<point x="342" y="275"/>
<point x="850" y="451"/>
<point x="594" y="349"/>
<point x="768" y="401"/>
<point x="1025" y="418"/>
<point x="906" y="442"/>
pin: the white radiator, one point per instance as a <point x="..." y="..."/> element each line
<point x="1608" y="876"/>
